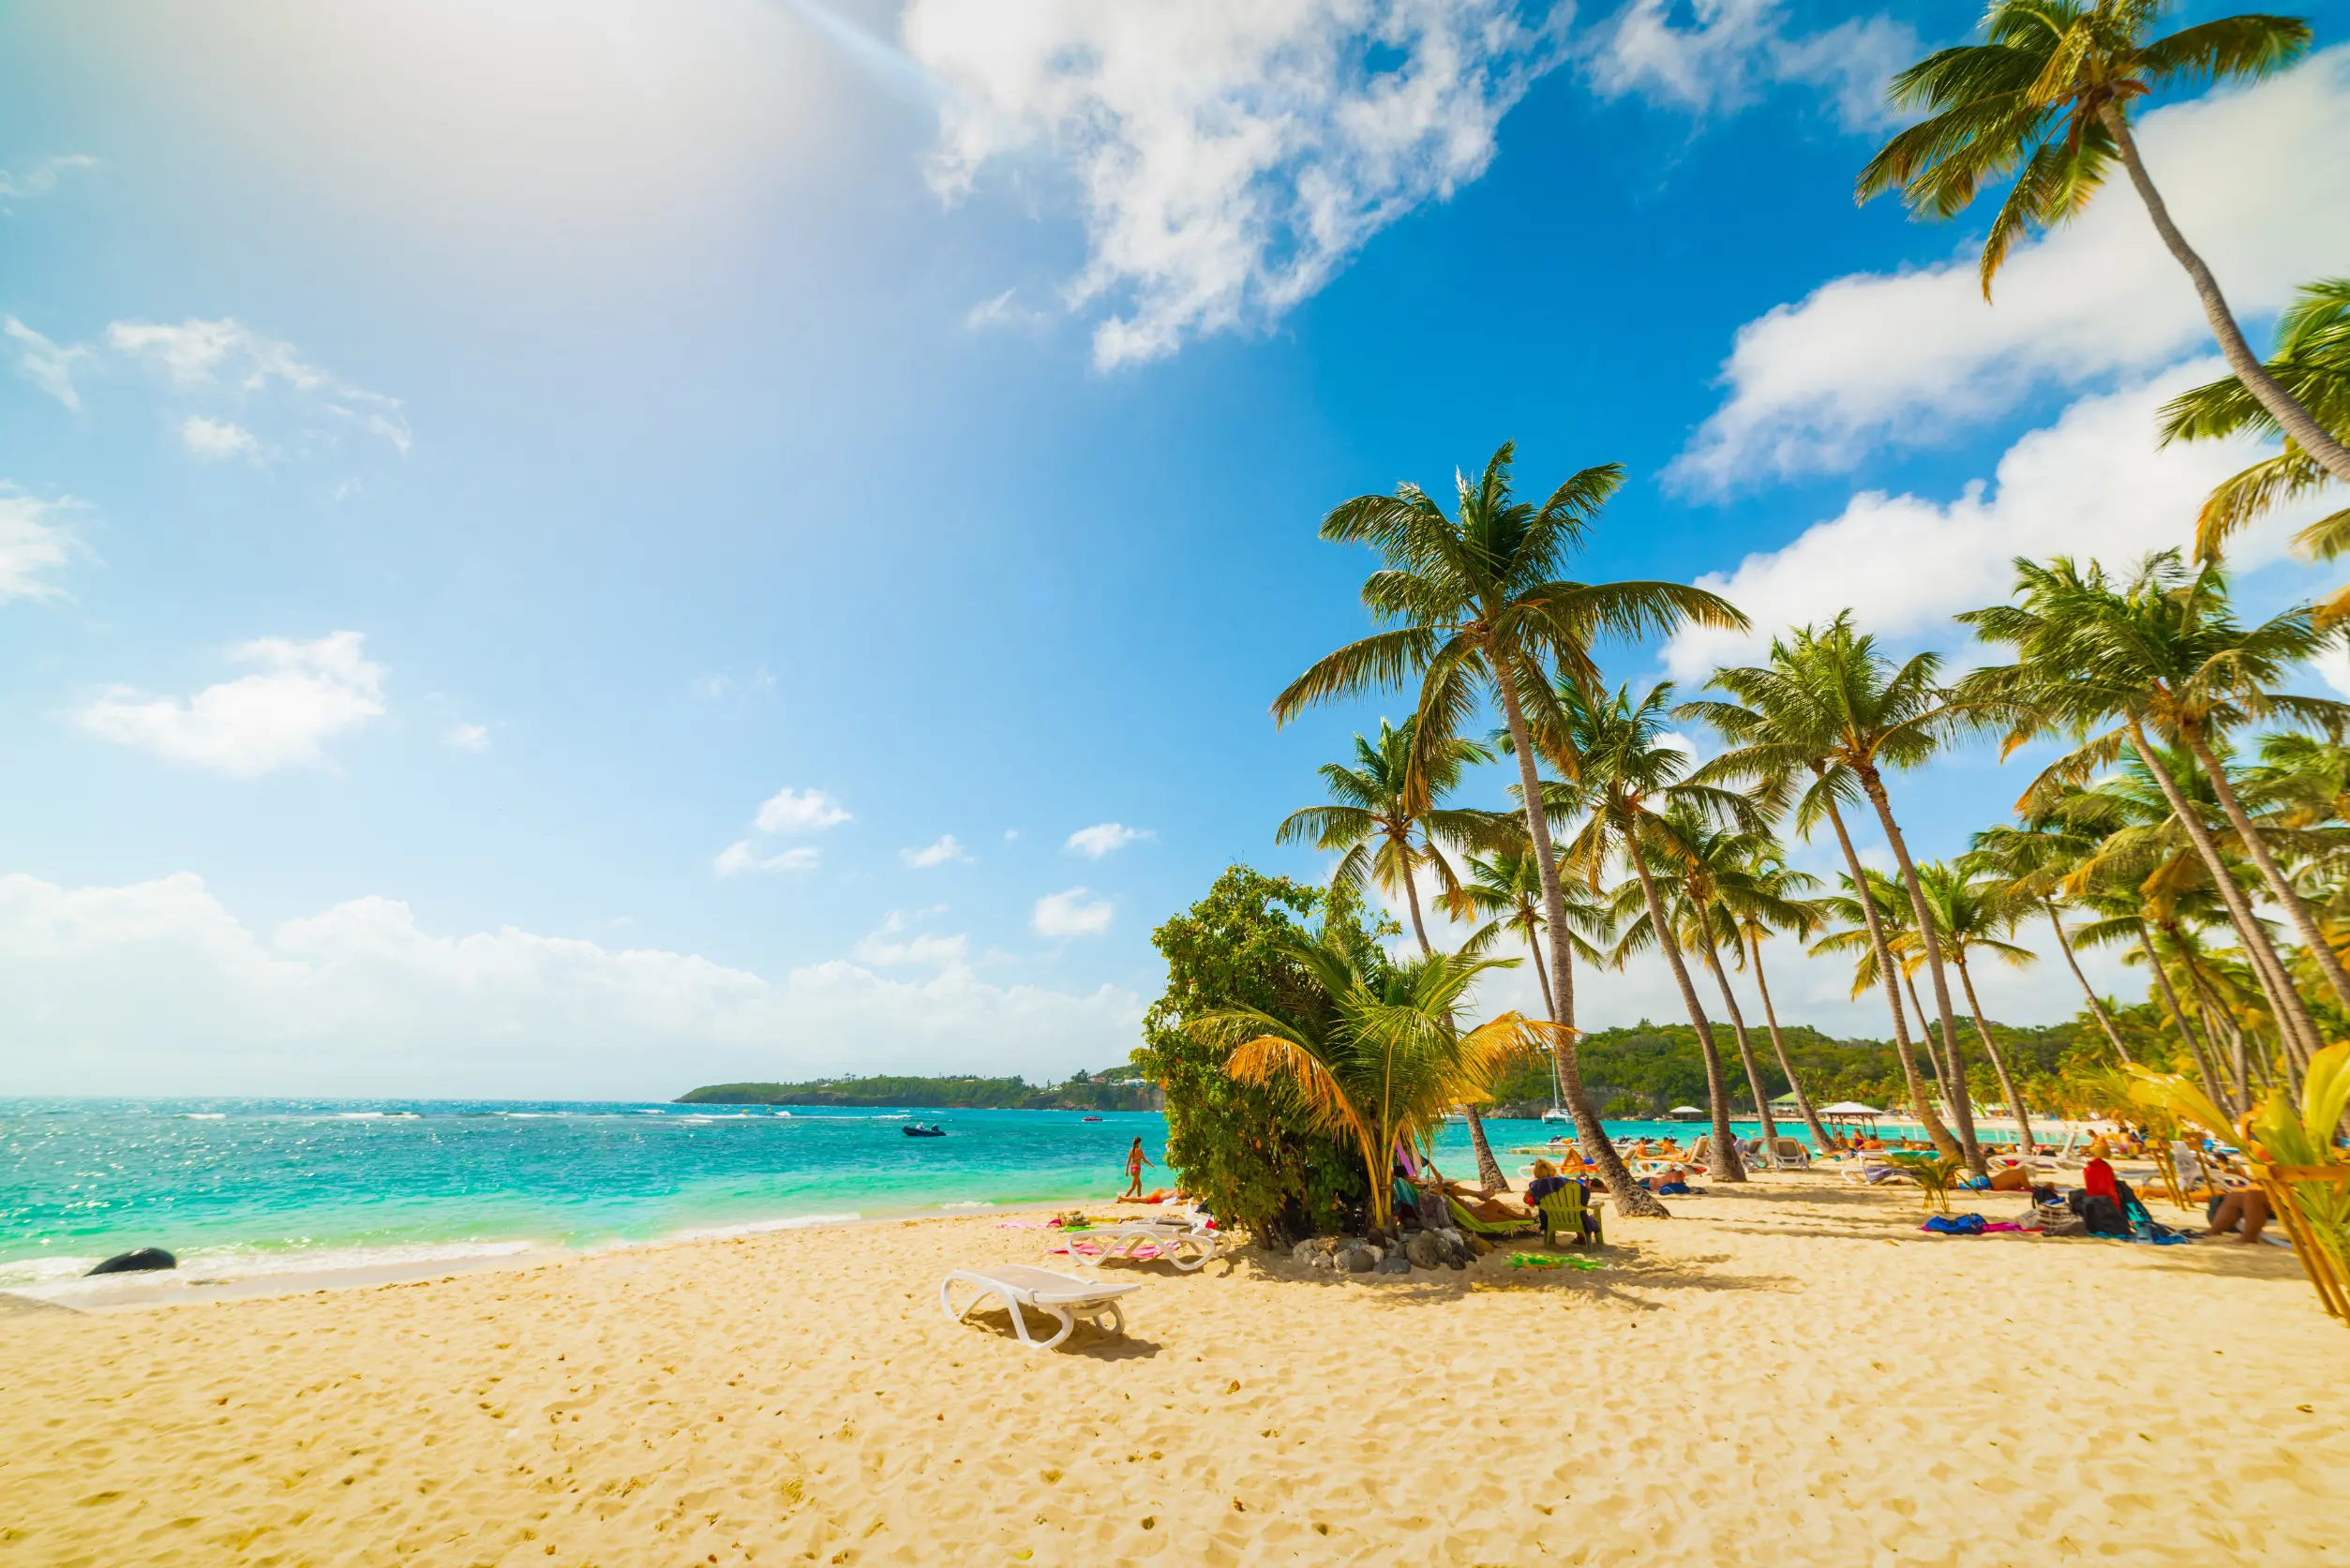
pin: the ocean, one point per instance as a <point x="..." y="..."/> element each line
<point x="243" y="1189"/>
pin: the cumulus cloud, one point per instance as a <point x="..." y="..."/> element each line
<point x="936" y="854"/>
<point x="1072" y="913"/>
<point x="32" y="543"/>
<point x="2092" y="484"/>
<point x="1719" y="55"/>
<point x="300" y="695"/>
<point x="48" y="366"/>
<point x="1913" y="356"/>
<point x="895" y="945"/>
<point x="467" y="738"/>
<point x="200" y="355"/>
<point x="159" y="986"/>
<point x="217" y="440"/>
<point x="40" y="176"/>
<point x="1104" y="837"/>
<point x="743" y="856"/>
<point x="800" y="811"/>
<point x="1230" y="155"/>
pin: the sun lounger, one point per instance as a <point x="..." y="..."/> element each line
<point x="1185" y="1244"/>
<point x="1064" y="1298"/>
<point x="1465" y="1221"/>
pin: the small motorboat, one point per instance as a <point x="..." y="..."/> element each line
<point x="916" y="1129"/>
<point x="1089" y="1118"/>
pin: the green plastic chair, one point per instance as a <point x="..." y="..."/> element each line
<point x="1565" y="1211"/>
<point x="1470" y="1224"/>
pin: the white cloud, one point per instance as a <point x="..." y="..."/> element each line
<point x="31" y="545"/>
<point x="938" y="854"/>
<point x="1912" y="356"/>
<point x="1728" y="52"/>
<point x="39" y="177"/>
<point x="301" y="696"/>
<point x="197" y="355"/>
<point x="467" y="738"/>
<point x="1072" y="914"/>
<point x="217" y="440"/>
<point x="742" y="856"/>
<point x="2093" y="483"/>
<point x="159" y="984"/>
<point x="894" y="946"/>
<point x="48" y="366"/>
<point x="1231" y="154"/>
<point x="1103" y="837"/>
<point x="800" y="811"/>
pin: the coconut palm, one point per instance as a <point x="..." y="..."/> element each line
<point x="1829" y="700"/>
<point x="1971" y="918"/>
<point x="1377" y="827"/>
<point x="1643" y="813"/>
<point x="2312" y="363"/>
<point x="2047" y="97"/>
<point x="1878" y="912"/>
<point x="2031" y="861"/>
<point x="2161" y="650"/>
<point x="2151" y="929"/>
<point x="1476" y="612"/>
<point x="1506" y="889"/>
<point x="1779" y="906"/>
<point x="1381" y="1065"/>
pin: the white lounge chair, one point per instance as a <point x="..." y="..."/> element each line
<point x="1187" y="1247"/>
<point x="1064" y="1298"/>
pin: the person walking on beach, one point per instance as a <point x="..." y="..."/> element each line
<point x="1135" y="1161"/>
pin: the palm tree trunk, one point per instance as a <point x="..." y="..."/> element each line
<point x="2177" y="1013"/>
<point x="1728" y="1167"/>
<point x="1936" y="1061"/>
<point x="2280" y="886"/>
<point x="1745" y="1044"/>
<point x="1778" y="1045"/>
<point x="2309" y="436"/>
<point x="2096" y="1005"/>
<point x="2284" y="1002"/>
<point x="1629" y="1198"/>
<point x="1550" y="1010"/>
<point x="1489" y="1175"/>
<point x="1999" y="1063"/>
<point x="1943" y="1143"/>
<point x="2238" y="1074"/>
<point x="1962" y="1111"/>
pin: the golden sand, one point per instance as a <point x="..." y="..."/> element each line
<point x="1786" y="1375"/>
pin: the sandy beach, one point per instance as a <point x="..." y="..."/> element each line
<point x="1787" y="1374"/>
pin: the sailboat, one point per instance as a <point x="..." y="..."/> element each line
<point x="1557" y="1111"/>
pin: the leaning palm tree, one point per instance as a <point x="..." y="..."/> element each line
<point x="2047" y="97"/>
<point x="2030" y="862"/>
<point x="2161" y="652"/>
<point x="1858" y="714"/>
<point x="1505" y="889"/>
<point x="1778" y="905"/>
<point x="1877" y="916"/>
<point x="1643" y="814"/>
<point x="1972" y="919"/>
<point x="2312" y="363"/>
<point x="1380" y="1067"/>
<point x="1380" y="831"/>
<point x="1476" y="612"/>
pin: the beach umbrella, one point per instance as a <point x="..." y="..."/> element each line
<point x="1685" y="1111"/>
<point x="1852" y="1108"/>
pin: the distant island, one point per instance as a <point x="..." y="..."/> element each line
<point x="1116" y="1089"/>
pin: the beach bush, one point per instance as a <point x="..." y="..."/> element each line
<point x="1252" y="1155"/>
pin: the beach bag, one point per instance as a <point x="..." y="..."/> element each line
<point x="2102" y="1217"/>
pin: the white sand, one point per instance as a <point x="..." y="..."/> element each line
<point x="1787" y="1375"/>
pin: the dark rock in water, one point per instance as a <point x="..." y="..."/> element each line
<point x="135" y="1262"/>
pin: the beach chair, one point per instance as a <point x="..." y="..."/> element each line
<point x="1786" y="1154"/>
<point x="1188" y="1245"/>
<point x="1469" y="1224"/>
<point x="1566" y="1211"/>
<point x="1064" y="1298"/>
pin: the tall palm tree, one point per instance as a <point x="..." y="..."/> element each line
<point x="1971" y="918"/>
<point x="1633" y="779"/>
<point x="1858" y="714"/>
<point x="2129" y="920"/>
<point x="1476" y="612"/>
<point x="2031" y="861"/>
<point x="1381" y="828"/>
<point x="2048" y="96"/>
<point x="1779" y="906"/>
<point x="1877" y="911"/>
<point x="2161" y="650"/>
<point x="1386" y="1059"/>
<point x="1504" y="888"/>
<point x="2312" y="363"/>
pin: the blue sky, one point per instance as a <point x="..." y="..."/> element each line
<point x="525" y="521"/>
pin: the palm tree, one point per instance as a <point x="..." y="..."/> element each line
<point x="2047" y="96"/>
<point x="1506" y="887"/>
<point x="1474" y="612"/>
<point x="1778" y="906"/>
<point x="2032" y="862"/>
<point x="1857" y="714"/>
<point x="1377" y="814"/>
<point x="1970" y="917"/>
<point x="1381" y="1065"/>
<point x="2312" y="363"/>
<point x="1874" y="904"/>
<point x="2161" y="650"/>
<point x="1633" y="779"/>
<point x="2127" y="919"/>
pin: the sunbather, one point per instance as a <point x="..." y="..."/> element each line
<point x="2246" y="1207"/>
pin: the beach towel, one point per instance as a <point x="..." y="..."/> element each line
<point x="1954" y="1224"/>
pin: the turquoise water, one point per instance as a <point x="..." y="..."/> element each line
<point x="239" y="1188"/>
